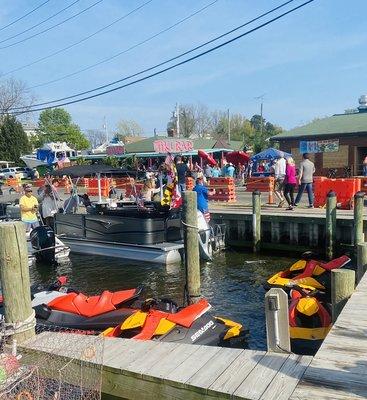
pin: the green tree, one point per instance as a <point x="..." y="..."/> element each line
<point x="13" y="140"/>
<point x="55" y="125"/>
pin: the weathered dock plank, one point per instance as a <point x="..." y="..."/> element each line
<point x="339" y="369"/>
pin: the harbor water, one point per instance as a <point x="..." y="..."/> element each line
<point x="232" y="283"/>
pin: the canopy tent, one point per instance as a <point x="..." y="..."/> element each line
<point x="77" y="171"/>
<point x="270" y="154"/>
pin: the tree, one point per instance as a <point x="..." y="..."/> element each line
<point x="96" y="137"/>
<point x="13" y="139"/>
<point x="127" y="128"/>
<point x="14" y="94"/>
<point x="55" y="125"/>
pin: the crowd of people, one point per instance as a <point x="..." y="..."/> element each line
<point x="287" y="177"/>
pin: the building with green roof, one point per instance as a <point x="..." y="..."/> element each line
<point x="335" y="142"/>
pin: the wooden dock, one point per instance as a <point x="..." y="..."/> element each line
<point x="339" y="369"/>
<point x="155" y="370"/>
<point x="144" y="370"/>
<point x="302" y="229"/>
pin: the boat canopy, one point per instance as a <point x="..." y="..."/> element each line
<point x="77" y="171"/>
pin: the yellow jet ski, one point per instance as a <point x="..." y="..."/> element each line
<point x="308" y="274"/>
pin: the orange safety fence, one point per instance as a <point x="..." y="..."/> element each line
<point x="15" y="183"/>
<point x="224" y="189"/>
<point x="133" y="189"/>
<point x="39" y="182"/>
<point x="344" y="188"/>
<point x="93" y="187"/>
<point x="262" y="184"/>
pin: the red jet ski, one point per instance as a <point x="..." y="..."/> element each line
<point x="126" y="314"/>
<point x="309" y="320"/>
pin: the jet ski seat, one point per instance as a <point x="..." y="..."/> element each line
<point x="91" y="306"/>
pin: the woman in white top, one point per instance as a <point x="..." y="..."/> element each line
<point x="49" y="206"/>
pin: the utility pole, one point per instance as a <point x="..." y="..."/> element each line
<point x="178" y="119"/>
<point x="105" y="128"/>
<point x="229" y="125"/>
<point x="261" y="112"/>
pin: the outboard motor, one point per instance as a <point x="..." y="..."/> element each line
<point x="43" y="237"/>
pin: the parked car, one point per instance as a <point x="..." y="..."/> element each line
<point x="24" y="172"/>
<point x="10" y="173"/>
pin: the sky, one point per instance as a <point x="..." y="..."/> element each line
<point x="309" y="64"/>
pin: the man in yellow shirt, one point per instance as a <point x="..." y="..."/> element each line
<point x="28" y="208"/>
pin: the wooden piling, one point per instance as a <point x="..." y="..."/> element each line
<point x="191" y="246"/>
<point x="342" y="287"/>
<point x="14" y="273"/>
<point x="358" y="219"/>
<point x="330" y="225"/>
<point x="256" y="220"/>
<point x="361" y="261"/>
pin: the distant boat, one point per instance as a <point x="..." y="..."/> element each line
<point x="49" y="154"/>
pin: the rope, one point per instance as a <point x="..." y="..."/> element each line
<point x="189" y="226"/>
<point x="11" y="328"/>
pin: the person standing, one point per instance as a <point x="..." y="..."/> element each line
<point x="202" y="195"/>
<point x="279" y="174"/>
<point x="290" y="182"/>
<point x="28" y="208"/>
<point x="230" y="170"/>
<point x="365" y="166"/>
<point x="305" y="180"/>
<point x="216" y="172"/>
<point x="182" y="170"/>
<point x="208" y="171"/>
<point x="49" y="206"/>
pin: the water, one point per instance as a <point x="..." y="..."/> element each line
<point x="232" y="283"/>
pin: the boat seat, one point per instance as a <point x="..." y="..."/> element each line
<point x="189" y="314"/>
<point x="91" y="306"/>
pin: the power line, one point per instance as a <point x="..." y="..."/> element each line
<point x="54" y="26"/>
<point x="39" y="23"/>
<point x="172" y="66"/>
<point x="148" y="39"/>
<point x="169" y="60"/>
<point x="23" y="16"/>
<point x="78" y="42"/>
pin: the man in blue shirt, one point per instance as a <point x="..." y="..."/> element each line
<point x="202" y="195"/>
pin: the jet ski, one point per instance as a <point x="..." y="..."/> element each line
<point x="190" y="325"/>
<point x="309" y="321"/>
<point x="308" y="274"/>
<point x="126" y="314"/>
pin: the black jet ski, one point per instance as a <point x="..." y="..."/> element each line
<point x="126" y="314"/>
<point x="190" y="325"/>
<point x="309" y="320"/>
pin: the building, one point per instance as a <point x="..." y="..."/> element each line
<point x="336" y="142"/>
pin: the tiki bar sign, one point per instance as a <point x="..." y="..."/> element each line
<point x="173" y="146"/>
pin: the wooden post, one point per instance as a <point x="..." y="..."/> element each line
<point x="277" y="321"/>
<point x="342" y="287"/>
<point x="14" y="273"/>
<point x="191" y="244"/>
<point x="358" y="219"/>
<point x="330" y="225"/>
<point x="361" y="261"/>
<point x="256" y="220"/>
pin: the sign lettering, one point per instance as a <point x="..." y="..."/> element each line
<point x="173" y="145"/>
